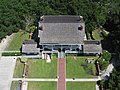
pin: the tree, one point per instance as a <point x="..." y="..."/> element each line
<point x="10" y="20"/>
<point x="104" y="60"/>
<point x="106" y="55"/>
<point x="113" y="25"/>
<point x="114" y="80"/>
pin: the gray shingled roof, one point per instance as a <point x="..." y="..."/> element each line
<point x="29" y="42"/>
<point x="92" y="46"/>
<point x="61" y="19"/>
<point x="29" y="46"/>
<point x="61" y="30"/>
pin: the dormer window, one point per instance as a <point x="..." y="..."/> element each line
<point x="80" y="27"/>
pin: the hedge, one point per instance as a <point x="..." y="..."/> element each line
<point x="11" y="54"/>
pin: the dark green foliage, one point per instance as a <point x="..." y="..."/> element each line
<point x="103" y="64"/>
<point x="21" y="14"/>
<point x="9" y="17"/>
<point x="106" y="55"/>
<point x="112" y="25"/>
<point x="113" y="83"/>
<point x="104" y="60"/>
<point x="103" y="34"/>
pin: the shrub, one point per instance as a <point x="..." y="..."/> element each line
<point x="104" y="59"/>
<point x="106" y="55"/>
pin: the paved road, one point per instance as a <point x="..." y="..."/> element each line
<point x="7" y="65"/>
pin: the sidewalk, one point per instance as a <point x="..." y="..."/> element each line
<point x="7" y="65"/>
<point x="83" y="80"/>
<point x="55" y="80"/>
<point x="25" y="86"/>
<point x="35" y="79"/>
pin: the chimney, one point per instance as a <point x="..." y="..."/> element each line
<point x="81" y="18"/>
<point x="41" y="18"/>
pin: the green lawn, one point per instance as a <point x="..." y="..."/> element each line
<point x="42" y="86"/>
<point x="74" y="68"/>
<point x="99" y="34"/>
<point x="38" y="68"/>
<point x="18" y="69"/>
<point x="14" y="85"/>
<point x="17" y="40"/>
<point x="96" y="35"/>
<point x="80" y="86"/>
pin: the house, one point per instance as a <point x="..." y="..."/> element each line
<point x="63" y="32"/>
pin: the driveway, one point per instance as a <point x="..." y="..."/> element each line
<point x="7" y="65"/>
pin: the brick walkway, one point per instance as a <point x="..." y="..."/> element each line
<point x="61" y="74"/>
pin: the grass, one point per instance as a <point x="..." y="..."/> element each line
<point x="40" y="69"/>
<point x="36" y="85"/>
<point x="96" y="35"/>
<point x="99" y="34"/>
<point x="37" y="68"/>
<point x="80" y="86"/>
<point x="18" y="69"/>
<point x="17" y="40"/>
<point x="74" y="68"/>
<point x="14" y="85"/>
<point x="42" y="86"/>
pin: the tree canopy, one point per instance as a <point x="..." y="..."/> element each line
<point x="17" y="14"/>
<point x="22" y="14"/>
